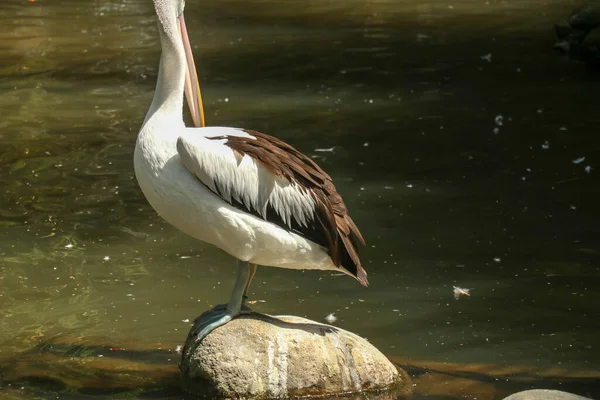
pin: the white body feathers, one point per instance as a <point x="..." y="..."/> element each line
<point x="170" y="181"/>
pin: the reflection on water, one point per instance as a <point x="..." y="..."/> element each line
<point x="452" y="129"/>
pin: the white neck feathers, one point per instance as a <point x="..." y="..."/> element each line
<point x="168" y="96"/>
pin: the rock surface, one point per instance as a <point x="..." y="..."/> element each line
<point x="270" y="357"/>
<point x="543" y="394"/>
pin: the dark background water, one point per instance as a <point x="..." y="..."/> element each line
<point x="458" y="136"/>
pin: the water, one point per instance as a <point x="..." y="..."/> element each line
<point x="454" y="129"/>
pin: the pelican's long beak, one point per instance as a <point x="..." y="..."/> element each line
<point x="192" y="87"/>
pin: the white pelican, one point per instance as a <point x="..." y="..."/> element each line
<point x="250" y="194"/>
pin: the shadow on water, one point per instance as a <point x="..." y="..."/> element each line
<point x="464" y="146"/>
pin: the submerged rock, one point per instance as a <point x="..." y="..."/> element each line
<point x="543" y="394"/>
<point x="579" y="38"/>
<point x="581" y="22"/>
<point x="261" y="356"/>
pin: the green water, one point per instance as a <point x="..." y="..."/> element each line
<point x="404" y="93"/>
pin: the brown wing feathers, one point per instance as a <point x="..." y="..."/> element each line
<point x="335" y="225"/>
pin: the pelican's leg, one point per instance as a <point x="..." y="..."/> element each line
<point x="252" y="272"/>
<point x="245" y="308"/>
<point x="234" y="307"/>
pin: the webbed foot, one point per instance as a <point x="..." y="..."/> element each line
<point x="219" y="316"/>
<point x="210" y="324"/>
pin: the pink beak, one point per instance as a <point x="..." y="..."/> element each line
<point x="192" y="87"/>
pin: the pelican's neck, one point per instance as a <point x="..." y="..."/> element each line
<point x="167" y="105"/>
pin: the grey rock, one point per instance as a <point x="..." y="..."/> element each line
<point x="543" y="394"/>
<point x="260" y="356"/>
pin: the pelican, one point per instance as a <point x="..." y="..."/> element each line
<point x="245" y="192"/>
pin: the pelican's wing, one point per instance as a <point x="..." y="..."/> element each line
<point x="268" y="178"/>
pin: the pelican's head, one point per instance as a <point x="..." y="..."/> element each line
<point x="168" y="11"/>
<point x="170" y="16"/>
